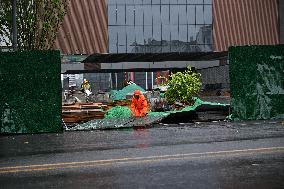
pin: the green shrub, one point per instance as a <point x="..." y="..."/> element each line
<point x="183" y="86"/>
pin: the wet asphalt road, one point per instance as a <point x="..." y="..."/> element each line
<point x="204" y="155"/>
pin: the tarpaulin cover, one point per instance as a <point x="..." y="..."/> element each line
<point x="30" y="97"/>
<point x="121" y="94"/>
<point x="257" y="82"/>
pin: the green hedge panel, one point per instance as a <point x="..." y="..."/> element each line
<point x="30" y="97"/>
<point x="257" y="82"/>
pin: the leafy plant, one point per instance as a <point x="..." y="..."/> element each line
<point x="37" y="22"/>
<point x="183" y="86"/>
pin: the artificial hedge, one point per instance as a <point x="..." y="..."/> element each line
<point x="257" y="82"/>
<point x="30" y="97"/>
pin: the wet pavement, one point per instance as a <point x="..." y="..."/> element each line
<point x="185" y="155"/>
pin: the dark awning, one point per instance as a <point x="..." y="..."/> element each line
<point x="123" y="70"/>
<point x="155" y="57"/>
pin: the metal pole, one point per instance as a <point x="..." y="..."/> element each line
<point x="146" y="78"/>
<point x="14" y="22"/>
<point x="152" y="78"/>
<point x="116" y="81"/>
<point x="110" y="80"/>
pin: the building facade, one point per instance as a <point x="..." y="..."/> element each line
<point x="116" y="26"/>
<point x="158" y="26"/>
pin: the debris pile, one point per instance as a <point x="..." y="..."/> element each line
<point x="120" y="117"/>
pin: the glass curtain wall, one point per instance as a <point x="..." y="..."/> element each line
<point x="155" y="26"/>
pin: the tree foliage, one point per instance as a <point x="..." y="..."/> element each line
<point x="37" y="22"/>
<point x="183" y="86"/>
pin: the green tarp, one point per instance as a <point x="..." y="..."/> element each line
<point x="121" y="94"/>
<point x="257" y="82"/>
<point x="30" y="97"/>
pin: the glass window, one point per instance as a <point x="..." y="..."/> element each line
<point x="192" y="33"/>
<point x="147" y="2"/>
<point x="147" y="15"/>
<point x="174" y="32"/>
<point x="112" y="39"/>
<point x="121" y="35"/>
<point x="113" y="48"/>
<point x="182" y="2"/>
<point x="139" y="35"/>
<point x="120" y="2"/>
<point x="174" y="14"/>
<point x="147" y="34"/>
<point x="138" y="2"/>
<point x="157" y="32"/>
<point x="199" y="34"/>
<point x="208" y="2"/>
<point x="112" y="2"/>
<point x="112" y="35"/>
<point x="139" y="15"/>
<point x="121" y="49"/>
<point x="160" y="25"/>
<point x="191" y="14"/>
<point x="194" y="1"/>
<point x="111" y="15"/>
<point x="174" y="2"/>
<point x="166" y="30"/>
<point x="129" y="2"/>
<point x="183" y="33"/>
<point x="156" y="15"/>
<point x="199" y="14"/>
<point x="208" y="14"/>
<point x="182" y="15"/>
<point x="165" y="2"/>
<point x="121" y="15"/>
<point x="165" y="14"/>
<point x="130" y="15"/>
<point x="156" y="2"/>
<point x="130" y="34"/>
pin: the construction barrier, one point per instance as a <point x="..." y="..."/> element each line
<point x="257" y="82"/>
<point x="30" y="97"/>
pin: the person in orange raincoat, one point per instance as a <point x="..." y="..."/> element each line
<point x="139" y="105"/>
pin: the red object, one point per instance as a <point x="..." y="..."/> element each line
<point x="139" y="105"/>
<point x="158" y="80"/>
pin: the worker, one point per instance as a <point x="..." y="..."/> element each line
<point x="86" y="87"/>
<point x="139" y="105"/>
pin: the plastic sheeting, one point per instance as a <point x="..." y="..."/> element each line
<point x="115" y="123"/>
<point x="121" y="94"/>
<point x="257" y="82"/>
